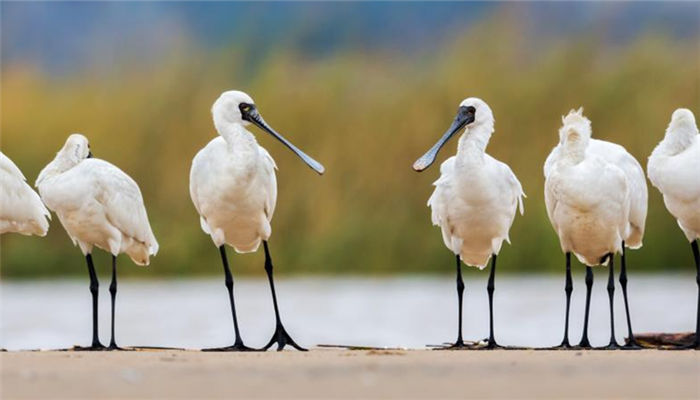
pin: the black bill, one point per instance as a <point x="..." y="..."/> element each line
<point x="465" y="115"/>
<point x="251" y="114"/>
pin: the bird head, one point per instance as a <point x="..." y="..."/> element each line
<point x="76" y="148"/>
<point x="471" y="113"/>
<point x="574" y="125"/>
<point x="234" y="107"/>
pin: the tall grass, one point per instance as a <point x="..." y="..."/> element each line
<point x="366" y="117"/>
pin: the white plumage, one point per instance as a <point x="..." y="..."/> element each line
<point x="476" y="196"/>
<point x="21" y="209"/>
<point x="674" y="169"/>
<point x="97" y="203"/>
<point x="589" y="195"/>
<point x="234" y="189"/>
<point x="233" y="184"/>
<point x="474" y="201"/>
<point x="617" y="155"/>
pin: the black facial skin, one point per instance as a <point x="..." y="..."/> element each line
<point x="250" y="113"/>
<point x="89" y="152"/>
<point x="465" y="116"/>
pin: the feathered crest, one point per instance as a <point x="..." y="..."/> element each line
<point x="575" y="120"/>
<point x="682" y="118"/>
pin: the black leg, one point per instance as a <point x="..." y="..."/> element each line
<point x="238" y="343"/>
<point x="585" y="343"/>
<point x="94" y="290"/>
<point x="490" y="287"/>
<point x="113" y="293"/>
<point x="611" y="297"/>
<point x="568" y="289"/>
<point x="696" y="256"/>
<point x="631" y="341"/>
<point x="281" y="337"/>
<point x="459" y="343"/>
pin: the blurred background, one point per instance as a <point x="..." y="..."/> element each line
<point x="366" y="88"/>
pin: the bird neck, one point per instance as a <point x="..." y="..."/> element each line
<point x="474" y="140"/>
<point x="678" y="137"/>
<point x="236" y="136"/>
<point x="60" y="164"/>
<point x="574" y="147"/>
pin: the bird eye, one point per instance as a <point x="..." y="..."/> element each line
<point x="245" y="107"/>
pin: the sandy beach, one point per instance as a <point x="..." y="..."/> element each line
<point x="326" y="373"/>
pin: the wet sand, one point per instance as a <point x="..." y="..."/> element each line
<point x="327" y="373"/>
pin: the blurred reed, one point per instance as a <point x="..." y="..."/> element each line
<point x="366" y="116"/>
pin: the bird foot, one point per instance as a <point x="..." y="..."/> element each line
<point x="490" y="345"/>
<point x="611" y="346"/>
<point x="94" y="347"/>
<point x="632" y="345"/>
<point x="564" y="345"/>
<point x="236" y="347"/>
<point x="584" y="344"/>
<point x="113" y="347"/>
<point x="282" y="338"/>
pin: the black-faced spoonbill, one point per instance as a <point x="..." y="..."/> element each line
<point x="475" y="199"/>
<point x="21" y="209"/>
<point x="636" y="219"/>
<point x="596" y="202"/>
<point x="234" y="189"/>
<point x="99" y="206"/>
<point x="674" y="169"/>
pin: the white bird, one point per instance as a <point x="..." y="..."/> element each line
<point x="674" y="169"/>
<point x="99" y="206"/>
<point x="475" y="198"/>
<point x="21" y="209"/>
<point x="596" y="200"/>
<point x="234" y="189"/>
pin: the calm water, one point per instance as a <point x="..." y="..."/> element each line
<point x="403" y="311"/>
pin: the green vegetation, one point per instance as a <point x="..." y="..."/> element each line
<point x="366" y="117"/>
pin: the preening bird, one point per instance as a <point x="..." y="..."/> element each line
<point x="99" y="206"/>
<point x="475" y="199"/>
<point x="21" y="209"/>
<point x="596" y="198"/>
<point x="674" y="169"/>
<point x="234" y="189"/>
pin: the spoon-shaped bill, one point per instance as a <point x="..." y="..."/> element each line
<point x="465" y="115"/>
<point x="251" y="114"/>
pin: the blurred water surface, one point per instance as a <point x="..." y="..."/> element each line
<point x="409" y="311"/>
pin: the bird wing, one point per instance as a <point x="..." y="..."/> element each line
<point x="439" y="200"/>
<point x="551" y="159"/>
<point x="550" y="199"/>
<point x="443" y="187"/>
<point x="19" y="203"/>
<point x="636" y="181"/>
<point x="198" y="159"/>
<point x="271" y="184"/>
<point x="122" y="201"/>
<point x="10" y="168"/>
<point x="516" y="191"/>
<point x="677" y="175"/>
